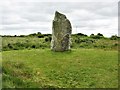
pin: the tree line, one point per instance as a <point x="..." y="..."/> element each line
<point x="40" y="35"/>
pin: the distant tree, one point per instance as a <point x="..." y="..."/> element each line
<point x="80" y="34"/>
<point x="40" y="36"/>
<point x="38" y="32"/>
<point x="34" y="34"/>
<point x="97" y="37"/>
<point x="22" y="36"/>
<point x="15" y="35"/>
<point x="114" y="37"/>
<point x="99" y="34"/>
<point x="8" y="36"/>
<point x="48" y="39"/>
<point x="92" y="35"/>
<point x="47" y="34"/>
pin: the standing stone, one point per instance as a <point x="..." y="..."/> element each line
<point x="61" y="33"/>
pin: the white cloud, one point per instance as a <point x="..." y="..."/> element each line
<point x="23" y="17"/>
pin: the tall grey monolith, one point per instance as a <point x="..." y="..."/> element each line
<point x="61" y="33"/>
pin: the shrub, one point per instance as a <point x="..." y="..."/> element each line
<point x="48" y="39"/>
<point x="86" y="40"/>
<point x="98" y="36"/>
<point x="92" y="35"/>
<point x="18" y="46"/>
<point x="47" y="35"/>
<point x="114" y="37"/>
<point x="22" y="36"/>
<point x="10" y="46"/>
<point x="77" y="40"/>
<point x="34" y="34"/>
<point x="40" y="36"/>
<point x="15" y="35"/>
<point x="33" y="46"/>
<point x="116" y="44"/>
<point x="80" y="34"/>
<point x="38" y="32"/>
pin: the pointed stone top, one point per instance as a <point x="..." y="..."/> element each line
<point x="59" y="16"/>
<point x="56" y="12"/>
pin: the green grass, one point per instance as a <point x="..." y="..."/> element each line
<point x="19" y="43"/>
<point x="78" y="68"/>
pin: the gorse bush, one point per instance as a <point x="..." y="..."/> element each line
<point x="98" y="36"/>
<point x="40" y="36"/>
<point x="80" y="34"/>
<point x="114" y="37"/>
<point x="87" y="40"/>
<point x="48" y="39"/>
<point x="18" y="43"/>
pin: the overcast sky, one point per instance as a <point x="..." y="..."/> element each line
<point x="25" y="17"/>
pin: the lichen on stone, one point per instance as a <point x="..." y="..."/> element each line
<point x="61" y="33"/>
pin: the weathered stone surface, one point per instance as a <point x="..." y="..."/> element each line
<point x="61" y="33"/>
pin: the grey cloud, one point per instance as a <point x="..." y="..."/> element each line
<point x="81" y="14"/>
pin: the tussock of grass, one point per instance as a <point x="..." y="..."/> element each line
<point x="17" y="75"/>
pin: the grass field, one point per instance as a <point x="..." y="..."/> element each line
<point x="78" y="68"/>
<point x="19" y="43"/>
